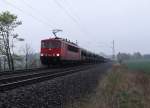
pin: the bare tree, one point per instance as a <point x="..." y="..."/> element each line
<point x="8" y="22"/>
<point x="28" y="51"/>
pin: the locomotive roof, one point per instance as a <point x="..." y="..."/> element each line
<point x="62" y="40"/>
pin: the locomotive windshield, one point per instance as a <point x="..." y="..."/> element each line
<point x="50" y="44"/>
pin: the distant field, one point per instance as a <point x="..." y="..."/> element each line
<point x="141" y="64"/>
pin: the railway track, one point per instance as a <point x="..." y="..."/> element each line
<point x="8" y="82"/>
<point x="20" y="71"/>
<point x="24" y="71"/>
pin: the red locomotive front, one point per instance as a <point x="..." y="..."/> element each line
<point x="50" y="51"/>
<point x="57" y="50"/>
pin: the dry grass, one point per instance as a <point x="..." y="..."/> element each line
<point x="120" y="88"/>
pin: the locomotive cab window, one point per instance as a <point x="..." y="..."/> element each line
<point x="72" y="48"/>
<point x="54" y="44"/>
<point x="44" y="44"/>
<point x="50" y="44"/>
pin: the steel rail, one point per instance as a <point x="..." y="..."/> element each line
<point x="34" y="78"/>
<point x="16" y="77"/>
<point x="21" y="71"/>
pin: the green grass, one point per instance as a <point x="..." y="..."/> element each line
<point x="141" y="65"/>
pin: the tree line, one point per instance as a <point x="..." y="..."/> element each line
<point x="127" y="56"/>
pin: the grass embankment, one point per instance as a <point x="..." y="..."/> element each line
<point x="120" y="88"/>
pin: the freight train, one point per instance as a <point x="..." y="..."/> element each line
<point x="58" y="51"/>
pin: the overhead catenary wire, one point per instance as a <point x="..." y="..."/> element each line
<point x="66" y="11"/>
<point x="81" y="28"/>
<point x="73" y="14"/>
<point x="71" y="9"/>
<point x="34" y="9"/>
<point x="27" y="13"/>
<point x="34" y="17"/>
<point x="58" y="4"/>
<point x="43" y="22"/>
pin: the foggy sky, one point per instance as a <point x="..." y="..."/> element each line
<point x="93" y="23"/>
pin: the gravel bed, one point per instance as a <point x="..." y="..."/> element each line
<point x="53" y="93"/>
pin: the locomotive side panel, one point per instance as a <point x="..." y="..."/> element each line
<point x="63" y="50"/>
<point x="70" y="53"/>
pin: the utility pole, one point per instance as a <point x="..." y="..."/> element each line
<point x="113" y="50"/>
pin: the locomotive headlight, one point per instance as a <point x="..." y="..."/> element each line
<point x="42" y="54"/>
<point x="57" y="54"/>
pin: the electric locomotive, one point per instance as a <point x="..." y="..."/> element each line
<point x="57" y="50"/>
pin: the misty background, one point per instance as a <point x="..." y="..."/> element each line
<point x="93" y="23"/>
